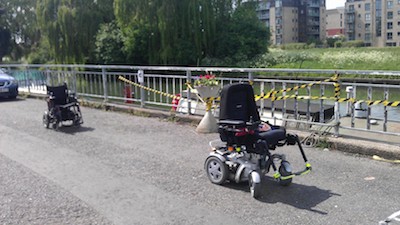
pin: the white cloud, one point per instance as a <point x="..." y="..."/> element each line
<point x="332" y="4"/>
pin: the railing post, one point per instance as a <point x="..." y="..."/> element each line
<point x="74" y="80"/>
<point x="28" y="79"/>
<point x="140" y="74"/>
<point x="251" y="78"/>
<point x="369" y="97"/>
<point x="322" y="107"/>
<point x="337" y="109"/>
<point x="385" y="116"/>
<point x="104" y="77"/>
<point x="189" y="80"/>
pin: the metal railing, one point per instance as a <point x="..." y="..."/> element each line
<point x="312" y="105"/>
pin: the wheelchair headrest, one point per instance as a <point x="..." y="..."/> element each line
<point x="237" y="103"/>
<point x="59" y="92"/>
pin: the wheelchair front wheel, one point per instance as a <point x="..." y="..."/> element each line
<point x="255" y="186"/>
<point x="216" y="170"/>
<point x="46" y="120"/>
<point x="285" y="170"/>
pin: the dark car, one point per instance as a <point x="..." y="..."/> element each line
<point x="8" y="85"/>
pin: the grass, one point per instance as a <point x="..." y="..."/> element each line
<point x="333" y="58"/>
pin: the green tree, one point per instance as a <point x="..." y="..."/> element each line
<point x="241" y="36"/>
<point x="109" y="45"/>
<point x="71" y="25"/>
<point x="169" y="25"/>
<point x="18" y="18"/>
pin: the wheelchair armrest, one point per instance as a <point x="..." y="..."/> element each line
<point x="253" y="125"/>
<point x="238" y="123"/>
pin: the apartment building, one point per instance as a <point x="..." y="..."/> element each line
<point x="292" y="21"/>
<point x="335" y="22"/>
<point x="376" y="22"/>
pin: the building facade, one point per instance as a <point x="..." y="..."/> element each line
<point x="376" y="22"/>
<point x="292" y="21"/>
<point x="335" y="22"/>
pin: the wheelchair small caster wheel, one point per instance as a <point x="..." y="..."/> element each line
<point x="216" y="170"/>
<point x="46" y="120"/>
<point x="56" y="125"/>
<point x="285" y="170"/>
<point x="255" y="184"/>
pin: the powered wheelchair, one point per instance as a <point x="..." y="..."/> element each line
<point x="61" y="106"/>
<point x="244" y="153"/>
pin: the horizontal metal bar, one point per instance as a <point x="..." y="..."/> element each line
<point x="372" y="131"/>
<point x="211" y="69"/>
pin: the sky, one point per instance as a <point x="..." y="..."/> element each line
<point x="332" y="4"/>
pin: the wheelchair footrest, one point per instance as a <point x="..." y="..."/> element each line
<point x="307" y="170"/>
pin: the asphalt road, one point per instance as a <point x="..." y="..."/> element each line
<point x="122" y="169"/>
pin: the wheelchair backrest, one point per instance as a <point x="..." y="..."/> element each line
<point x="237" y="103"/>
<point x="60" y="94"/>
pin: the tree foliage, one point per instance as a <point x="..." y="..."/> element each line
<point x="109" y="45"/>
<point x="18" y="21"/>
<point x="140" y="32"/>
<point x="71" y="25"/>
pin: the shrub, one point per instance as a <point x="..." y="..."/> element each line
<point x="353" y="44"/>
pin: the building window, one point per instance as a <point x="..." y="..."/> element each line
<point x="390" y="36"/>
<point x="398" y="34"/>
<point x="367" y="37"/>
<point x="389" y="25"/>
<point x="368" y="6"/>
<point x="367" y="27"/>
<point x="398" y="12"/>
<point x="389" y="4"/>
<point x="367" y="16"/>
<point x="390" y="15"/>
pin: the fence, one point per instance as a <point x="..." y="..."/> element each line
<point x="342" y="104"/>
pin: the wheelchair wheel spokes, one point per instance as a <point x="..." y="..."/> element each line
<point x="216" y="170"/>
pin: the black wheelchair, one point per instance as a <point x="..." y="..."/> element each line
<point x="244" y="152"/>
<point x="62" y="106"/>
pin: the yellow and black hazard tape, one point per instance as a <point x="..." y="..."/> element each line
<point x="149" y="89"/>
<point x="369" y="102"/>
<point x="271" y="95"/>
<point x="295" y="88"/>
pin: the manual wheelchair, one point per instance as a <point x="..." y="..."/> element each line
<point x="61" y="106"/>
<point x="244" y="153"/>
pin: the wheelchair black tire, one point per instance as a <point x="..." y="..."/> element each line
<point x="217" y="172"/>
<point x="284" y="172"/>
<point x="255" y="188"/>
<point x="46" y="120"/>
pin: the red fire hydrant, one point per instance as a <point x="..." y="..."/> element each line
<point x="175" y="102"/>
<point x="128" y="94"/>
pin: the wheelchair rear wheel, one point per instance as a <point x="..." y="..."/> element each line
<point x="216" y="170"/>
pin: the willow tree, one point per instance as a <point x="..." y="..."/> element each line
<point x="172" y="31"/>
<point x="71" y="25"/>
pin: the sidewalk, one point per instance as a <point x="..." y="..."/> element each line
<point x="357" y="142"/>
